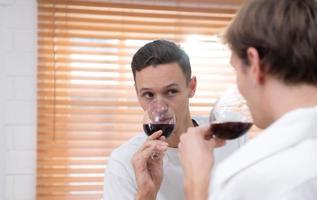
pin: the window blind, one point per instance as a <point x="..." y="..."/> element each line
<point x="86" y="98"/>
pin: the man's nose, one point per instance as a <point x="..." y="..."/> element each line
<point x="161" y="104"/>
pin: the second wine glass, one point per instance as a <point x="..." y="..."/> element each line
<point x="230" y="118"/>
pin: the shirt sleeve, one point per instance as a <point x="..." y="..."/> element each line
<point x="118" y="183"/>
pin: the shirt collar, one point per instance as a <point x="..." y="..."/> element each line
<point x="195" y="123"/>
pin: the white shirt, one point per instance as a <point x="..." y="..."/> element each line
<point x="279" y="164"/>
<point x="120" y="184"/>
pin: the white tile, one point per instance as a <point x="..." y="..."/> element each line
<point x="2" y="162"/>
<point x="5" y="2"/>
<point x="6" y="39"/>
<point x="20" y="64"/>
<point x="3" y="15"/>
<point x="25" y="2"/>
<point x="24" y="40"/>
<point x="2" y="120"/>
<point x="8" y="88"/>
<point x="9" y="138"/>
<point x="24" y="187"/>
<point x="2" y="65"/>
<point x="20" y="138"/>
<point x="2" y="189"/>
<point x="24" y="88"/>
<point x="20" y="162"/>
<point x="2" y="30"/>
<point x="9" y="187"/>
<point x="20" y="113"/>
<point x="2" y="94"/>
<point x="19" y="88"/>
<point x="22" y="16"/>
<point x="24" y="137"/>
<point x="2" y="112"/>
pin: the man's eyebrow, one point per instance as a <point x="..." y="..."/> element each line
<point x="165" y="87"/>
<point x="144" y="89"/>
<point x="171" y="85"/>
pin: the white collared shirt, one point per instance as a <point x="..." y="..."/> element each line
<point x="280" y="163"/>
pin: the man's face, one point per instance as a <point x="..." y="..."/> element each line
<point x="165" y="83"/>
<point x="249" y="90"/>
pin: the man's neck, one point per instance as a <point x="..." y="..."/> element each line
<point x="173" y="140"/>
<point x="283" y="99"/>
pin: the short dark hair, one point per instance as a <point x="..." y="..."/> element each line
<point x="161" y="52"/>
<point x="284" y="32"/>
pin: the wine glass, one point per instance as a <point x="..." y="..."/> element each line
<point x="230" y="118"/>
<point x="158" y="116"/>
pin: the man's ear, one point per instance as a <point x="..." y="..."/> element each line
<point x="192" y="86"/>
<point x="257" y="74"/>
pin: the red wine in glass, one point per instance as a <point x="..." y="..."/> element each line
<point x="167" y="129"/>
<point x="230" y="118"/>
<point x="230" y="130"/>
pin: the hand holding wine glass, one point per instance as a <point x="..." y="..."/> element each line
<point x="230" y="118"/>
<point x="158" y="122"/>
<point x="149" y="171"/>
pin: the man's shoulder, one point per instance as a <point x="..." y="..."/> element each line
<point x="119" y="174"/>
<point x="126" y="150"/>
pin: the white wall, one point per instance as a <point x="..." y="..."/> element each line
<point x="17" y="99"/>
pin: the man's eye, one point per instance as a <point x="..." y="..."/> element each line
<point x="148" y="95"/>
<point x="171" y="92"/>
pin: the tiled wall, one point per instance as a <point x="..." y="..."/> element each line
<point x="18" y="29"/>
